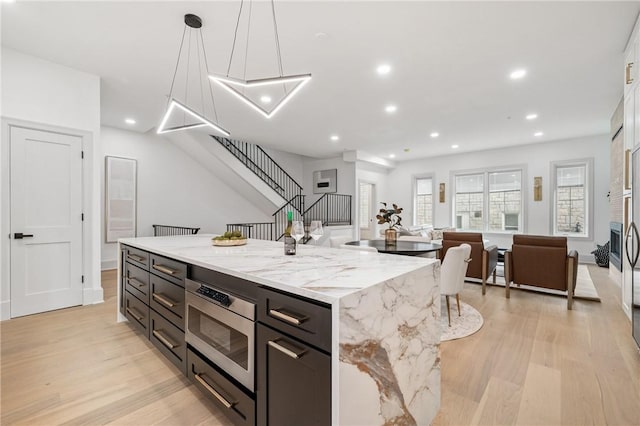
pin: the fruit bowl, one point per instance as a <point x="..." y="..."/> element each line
<point x="229" y="243"/>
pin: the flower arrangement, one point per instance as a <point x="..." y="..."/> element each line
<point x="390" y="216"/>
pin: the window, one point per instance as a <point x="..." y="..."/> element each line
<point x="505" y="200"/>
<point x="423" y="211"/>
<point x="571" y="201"/>
<point x="489" y="201"/>
<point x="469" y="202"/>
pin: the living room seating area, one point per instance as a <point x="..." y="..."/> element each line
<point x="541" y="261"/>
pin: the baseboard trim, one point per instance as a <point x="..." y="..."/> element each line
<point x="92" y="296"/>
<point x="5" y="310"/>
<point x="109" y="264"/>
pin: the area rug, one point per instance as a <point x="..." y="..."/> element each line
<point x="585" y="289"/>
<point x="469" y="321"/>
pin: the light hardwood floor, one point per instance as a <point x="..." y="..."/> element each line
<point x="533" y="362"/>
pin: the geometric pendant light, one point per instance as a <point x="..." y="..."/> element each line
<point x="177" y="109"/>
<point x="236" y="86"/>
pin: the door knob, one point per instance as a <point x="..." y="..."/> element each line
<point x="20" y="235"/>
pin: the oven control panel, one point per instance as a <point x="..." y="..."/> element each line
<point x="215" y="295"/>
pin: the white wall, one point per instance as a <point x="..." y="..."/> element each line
<point x="57" y="97"/>
<point x="345" y="175"/>
<point x="537" y="158"/>
<point x="291" y="163"/>
<point x="173" y="189"/>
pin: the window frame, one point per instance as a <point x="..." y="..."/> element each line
<point x="588" y="193"/>
<point x="414" y="195"/>
<point x="522" y="168"/>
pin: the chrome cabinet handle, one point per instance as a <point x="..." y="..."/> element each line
<point x="164" y="340"/>
<point x="139" y="317"/>
<point x="136" y="281"/>
<point x="288" y="318"/>
<point x="135" y="257"/>
<point x="164" y="269"/>
<point x="284" y="350"/>
<point x="164" y="300"/>
<point x="628" y="73"/>
<point x="213" y="392"/>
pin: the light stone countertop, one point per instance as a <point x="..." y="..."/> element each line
<point x="319" y="273"/>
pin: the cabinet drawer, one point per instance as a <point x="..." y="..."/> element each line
<point x="167" y="299"/>
<point x="137" y="257"/>
<point x="301" y="318"/>
<point x="294" y="381"/>
<point x="137" y="313"/>
<point x="169" y="339"/>
<point x="236" y="404"/>
<point x="137" y="282"/>
<point x="168" y="269"/>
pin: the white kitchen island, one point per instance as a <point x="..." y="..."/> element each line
<point x="385" y="309"/>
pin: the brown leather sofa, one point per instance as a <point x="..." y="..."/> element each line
<point x="483" y="259"/>
<point x="541" y="262"/>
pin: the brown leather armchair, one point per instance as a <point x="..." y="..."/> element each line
<point x="483" y="259"/>
<point x="541" y="262"/>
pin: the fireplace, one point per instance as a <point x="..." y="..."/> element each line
<point x="615" y="245"/>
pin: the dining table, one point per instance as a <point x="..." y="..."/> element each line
<point x="406" y="248"/>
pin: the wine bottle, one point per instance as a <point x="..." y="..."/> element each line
<point x="289" y="241"/>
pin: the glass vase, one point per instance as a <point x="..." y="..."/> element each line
<point x="390" y="236"/>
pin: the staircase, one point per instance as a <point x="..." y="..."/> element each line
<point x="330" y="209"/>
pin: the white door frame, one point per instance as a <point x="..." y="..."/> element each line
<point x="92" y="291"/>
<point x="374" y="203"/>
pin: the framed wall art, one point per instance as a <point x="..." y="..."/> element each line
<point x="325" y="181"/>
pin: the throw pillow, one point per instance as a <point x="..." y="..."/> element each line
<point x="602" y="254"/>
<point x="403" y="231"/>
<point x="436" y="234"/>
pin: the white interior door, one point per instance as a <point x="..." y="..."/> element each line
<point x="46" y="208"/>
<point x="366" y="221"/>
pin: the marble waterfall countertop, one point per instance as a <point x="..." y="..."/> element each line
<point x="385" y="356"/>
<point x="319" y="273"/>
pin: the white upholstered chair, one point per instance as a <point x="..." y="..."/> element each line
<point x="452" y="273"/>
<point x="359" y="248"/>
<point x="338" y="241"/>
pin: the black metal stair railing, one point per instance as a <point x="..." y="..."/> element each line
<point x="263" y="166"/>
<point x="330" y="209"/>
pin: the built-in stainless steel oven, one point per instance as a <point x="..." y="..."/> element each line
<point x="222" y="327"/>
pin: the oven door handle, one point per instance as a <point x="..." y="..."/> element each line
<point x="213" y="392"/>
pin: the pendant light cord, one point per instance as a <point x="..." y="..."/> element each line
<point x="177" y="63"/>
<point x="235" y="36"/>
<point x="275" y="30"/>
<point x="206" y="64"/>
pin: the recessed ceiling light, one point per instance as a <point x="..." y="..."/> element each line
<point x="392" y="156"/>
<point x="130" y="121"/>
<point x="265" y="99"/>
<point x="391" y="108"/>
<point x="434" y="134"/>
<point x="335" y="138"/>
<point x="538" y="134"/>
<point x="321" y="36"/>
<point x="383" y="69"/>
<point x="531" y="116"/>
<point x="517" y="74"/>
<point x="455" y="146"/>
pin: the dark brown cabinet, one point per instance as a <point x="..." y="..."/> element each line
<point x="153" y="301"/>
<point x="294" y="381"/>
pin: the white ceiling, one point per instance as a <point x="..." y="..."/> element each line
<point x="450" y="63"/>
